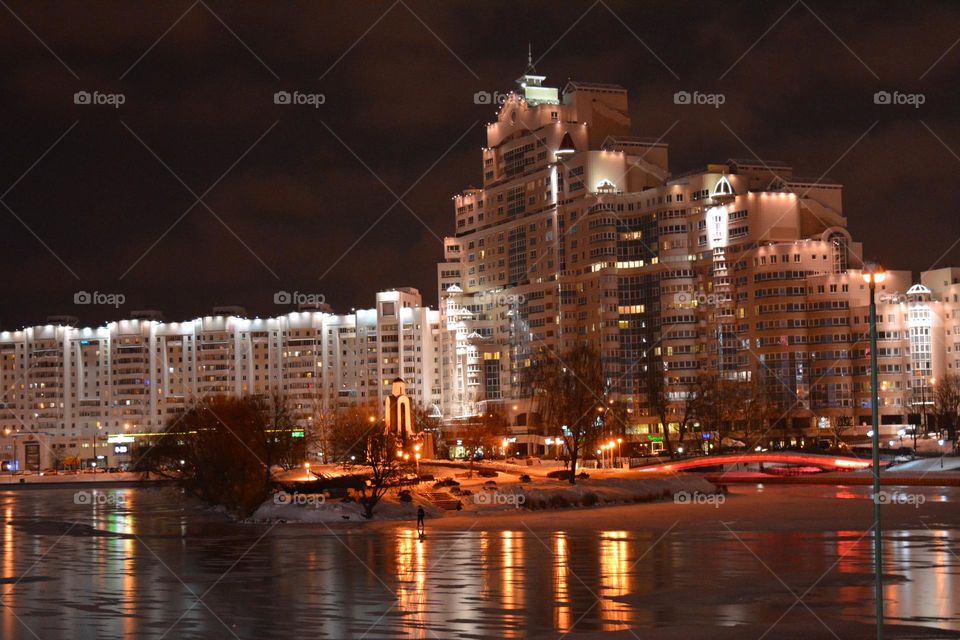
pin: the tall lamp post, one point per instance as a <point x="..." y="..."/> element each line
<point x="872" y="274"/>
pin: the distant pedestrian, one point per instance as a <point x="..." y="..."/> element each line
<point x="421" y="514"/>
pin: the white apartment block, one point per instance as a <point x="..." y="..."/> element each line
<point x="64" y="386"/>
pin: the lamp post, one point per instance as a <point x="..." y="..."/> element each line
<point x="96" y="436"/>
<point x="923" y="408"/>
<point x="620" y="452"/>
<point x="940" y="442"/>
<point x="872" y="274"/>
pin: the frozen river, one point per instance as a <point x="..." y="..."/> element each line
<point x="147" y="563"/>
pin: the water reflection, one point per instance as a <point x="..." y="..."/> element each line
<point x="562" y="619"/>
<point x="614" y="578"/>
<point x="136" y="575"/>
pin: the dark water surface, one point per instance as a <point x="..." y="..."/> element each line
<point x="148" y="563"/>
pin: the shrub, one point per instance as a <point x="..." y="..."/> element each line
<point x="405" y="496"/>
<point x="589" y="499"/>
<point x="583" y="475"/>
<point x="489" y="483"/>
<point x="455" y="491"/>
<point x="446" y="482"/>
<point x="466" y="492"/>
<point x="524" y="478"/>
<point x="487" y="473"/>
<point x="558" y="501"/>
<point x="535" y="503"/>
<point x="560" y="474"/>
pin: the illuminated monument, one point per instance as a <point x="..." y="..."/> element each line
<point x="398" y="418"/>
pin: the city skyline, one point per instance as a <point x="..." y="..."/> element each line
<point x="276" y="222"/>
<point x="515" y="319"/>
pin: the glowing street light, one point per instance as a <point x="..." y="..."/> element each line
<point x="940" y="442"/>
<point x="872" y="274"/>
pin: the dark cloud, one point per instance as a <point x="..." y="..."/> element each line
<point x="399" y="99"/>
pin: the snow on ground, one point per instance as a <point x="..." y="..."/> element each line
<point x="557" y="494"/>
<point x="480" y="495"/>
<point x="61" y="477"/>
<point x="950" y="463"/>
<point x="310" y="508"/>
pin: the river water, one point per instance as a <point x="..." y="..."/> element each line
<point x="149" y="563"/>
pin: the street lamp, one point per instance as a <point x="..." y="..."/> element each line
<point x="872" y="274"/>
<point x="940" y="442"/>
<point x="96" y="436"/>
<point x="619" y="451"/>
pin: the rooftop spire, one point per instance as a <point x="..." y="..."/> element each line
<point x="531" y="84"/>
<point x="530" y="75"/>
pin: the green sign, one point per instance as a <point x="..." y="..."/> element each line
<point x="297" y="434"/>
<point x="655" y="438"/>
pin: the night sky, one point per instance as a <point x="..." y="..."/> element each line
<point x="298" y="198"/>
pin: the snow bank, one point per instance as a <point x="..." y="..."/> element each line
<point x="559" y="495"/>
<point x="302" y="507"/>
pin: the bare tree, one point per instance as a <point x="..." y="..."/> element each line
<point x="570" y="391"/>
<point x="221" y="450"/>
<point x="482" y="434"/>
<point x="658" y="402"/>
<point x="946" y="405"/>
<point x="386" y="469"/>
<point x="347" y="433"/>
<point x="426" y="421"/>
<point x="717" y="402"/>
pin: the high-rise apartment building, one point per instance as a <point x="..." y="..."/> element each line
<point x="739" y="269"/>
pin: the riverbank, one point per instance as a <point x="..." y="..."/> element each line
<point x="744" y="507"/>
<point x="482" y="496"/>
<point x="66" y="480"/>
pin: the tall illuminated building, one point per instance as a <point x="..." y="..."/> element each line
<point x="579" y="232"/>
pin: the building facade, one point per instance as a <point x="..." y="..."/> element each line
<point x="739" y="270"/>
<point x="68" y="388"/>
